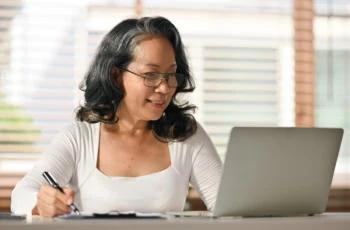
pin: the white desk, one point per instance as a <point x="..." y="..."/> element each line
<point x="336" y="221"/>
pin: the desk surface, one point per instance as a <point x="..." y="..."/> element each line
<point x="337" y="221"/>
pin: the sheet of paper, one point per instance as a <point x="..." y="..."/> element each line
<point x="111" y="215"/>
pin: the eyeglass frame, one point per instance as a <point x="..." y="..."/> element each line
<point x="164" y="77"/>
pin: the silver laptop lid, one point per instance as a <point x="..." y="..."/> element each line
<point x="277" y="171"/>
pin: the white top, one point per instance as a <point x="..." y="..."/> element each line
<point x="72" y="157"/>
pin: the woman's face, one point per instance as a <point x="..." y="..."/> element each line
<point x="141" y="102"/>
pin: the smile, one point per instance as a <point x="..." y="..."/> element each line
<point x="157" y="104"/>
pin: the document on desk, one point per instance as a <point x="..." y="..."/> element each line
<point x="195" y="214"/>
<point x="112" y="215"/>
<point x="11" y="216"/>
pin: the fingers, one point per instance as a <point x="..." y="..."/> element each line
<point x="52" y="202"/>
<point x="52" y="192"/>
<point x="46" y="209"/>
<point x="69" y="194"/>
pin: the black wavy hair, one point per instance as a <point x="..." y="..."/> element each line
<point x="103" y="95"/>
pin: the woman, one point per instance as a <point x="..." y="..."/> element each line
<point x="134" y="146"/>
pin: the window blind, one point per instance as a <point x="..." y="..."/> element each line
<point x="37" y="78"/>
<point x="333" y="104"/>
<point x="240" y="89"/>
<point x="332" y="70"/>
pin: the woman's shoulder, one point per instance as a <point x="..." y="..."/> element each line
<point x="82" y="126"/>
<point x="77" y="136"/>
<point x="198" y="144"/>
<point x="79" y="129"/>
<point x="199" y="135"/>
<point x="198" y="139"/>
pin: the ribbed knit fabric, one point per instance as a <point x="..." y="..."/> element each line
<point x="72" y="156"/>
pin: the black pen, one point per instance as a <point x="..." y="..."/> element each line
<point x="54" y="184"/>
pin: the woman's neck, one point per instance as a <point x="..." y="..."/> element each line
<point x="132" y="128"/>
<point x="127" y="125"/>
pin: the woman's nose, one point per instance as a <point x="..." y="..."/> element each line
<point x="163" y="87"/>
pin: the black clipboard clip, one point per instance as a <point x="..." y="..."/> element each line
<point x="113" y="215"/>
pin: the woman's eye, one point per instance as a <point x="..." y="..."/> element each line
<point x="172" y="75"/>
<point x="152" y="75"/>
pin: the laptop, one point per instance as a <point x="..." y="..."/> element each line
<point x="277" y="171"/>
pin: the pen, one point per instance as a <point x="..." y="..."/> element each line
<point x="54" y="184"/>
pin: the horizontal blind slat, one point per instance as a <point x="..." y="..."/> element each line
<point x="11" y="3"/>
<point x="224" y="97"/>
<point x="25" y="148"/>
<point x="229" y="54"/>
<point x="243" y="87"/>
<point x="236" y="65"/>
<point x="241" y="108"/>
<point x="51" y="127"/>
<point x="238" y="76"/>
<point x="239" y="119"/>
<point x="5" y="24"/>
<point x="8" y="13"/>
<point x="55" y="115"/>
<point x="24" y="137"/>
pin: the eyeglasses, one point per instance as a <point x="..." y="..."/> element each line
<point x="153" y="79"/>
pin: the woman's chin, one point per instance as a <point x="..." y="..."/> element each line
<point x="155" y="116"/>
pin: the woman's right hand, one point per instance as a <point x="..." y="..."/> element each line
<point x="51" y="202"/>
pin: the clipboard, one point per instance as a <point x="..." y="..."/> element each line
<point x="10" y="216"/>
<point x="112" y="215"/>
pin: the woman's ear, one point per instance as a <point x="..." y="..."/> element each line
<point x="117" y="77"/>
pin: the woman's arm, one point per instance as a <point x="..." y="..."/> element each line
<point x="206" y="167"/>
<point x="59" y="160"/>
